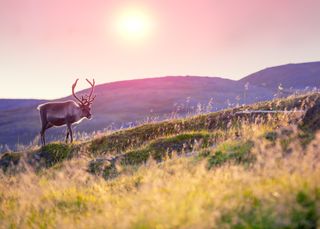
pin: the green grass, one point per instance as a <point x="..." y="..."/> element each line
<point x="302" y="212"/>
<point x="157" y="150"/>
<point x="160" y="148"/>
<point x="236" y="152"/>
<point x="54" y="153"/>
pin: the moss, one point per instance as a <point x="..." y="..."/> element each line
<point x="162" y="147"/>
<point x="236" y="152"/>
<point x="179" y="143"/>
<point x="47" y="156"/>
<point x="135" y="137"/>
<point x="156" y="149"/>
<point x="54" y="153"/>
<point x="136" y="157"/>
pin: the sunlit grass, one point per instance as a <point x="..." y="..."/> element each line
<point x="277" y="190"/>
<point x="258" y="173"/>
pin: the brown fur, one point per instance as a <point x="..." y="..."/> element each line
<point x="59" y="114"/>
<point x="65" y="113"/>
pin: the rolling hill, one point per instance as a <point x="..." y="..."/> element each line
<point x="128" y="103"/>
<point x="9" y="104"/>
<point x="291" y="76"/>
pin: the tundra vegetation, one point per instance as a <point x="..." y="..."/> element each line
<point x="216" y="170"/>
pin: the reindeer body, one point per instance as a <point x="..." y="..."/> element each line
<point x="64" y="113"/>
<point x="60" y="113"/>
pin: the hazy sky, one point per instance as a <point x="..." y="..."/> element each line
<point x="46" y="44"/>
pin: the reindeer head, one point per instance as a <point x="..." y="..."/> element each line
<point x="85" y="101"/>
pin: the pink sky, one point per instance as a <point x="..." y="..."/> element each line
<point x="46" y="44"/>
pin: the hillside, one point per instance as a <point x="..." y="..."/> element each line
<point x="128" y="103"/>
<point x="124" y="140"/>
<point x="226" y="169"/>
<point x="291" y="76"/>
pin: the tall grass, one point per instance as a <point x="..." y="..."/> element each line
<point x="210" y="171"/>
<point x="266" y="179"/>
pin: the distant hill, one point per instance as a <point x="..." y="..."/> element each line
<point x="127" y="103"/>
<point x="7" y="104"/>
<point x="294" y="76"/>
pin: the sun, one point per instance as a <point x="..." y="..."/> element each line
<point x="134" y="24"/>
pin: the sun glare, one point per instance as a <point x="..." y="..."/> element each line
<point x="134" y="24"/>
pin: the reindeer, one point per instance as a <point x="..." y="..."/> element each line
<point x="66" y="113"/>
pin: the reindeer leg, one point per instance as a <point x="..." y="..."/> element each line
<point x="42" y="134"/>
<point x="43" y="128"/>
<point x="67" y="137"/>
<point x="70" y="132"/>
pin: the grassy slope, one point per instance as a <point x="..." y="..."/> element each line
<point x="237" y="171"/>
<point x="120" y="141"/>
<point x="131" y="102"/>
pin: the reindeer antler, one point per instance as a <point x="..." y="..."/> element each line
<point x="90" y="100"/>
<point x="73" y="93"/>
<point x="83" y="100"/>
